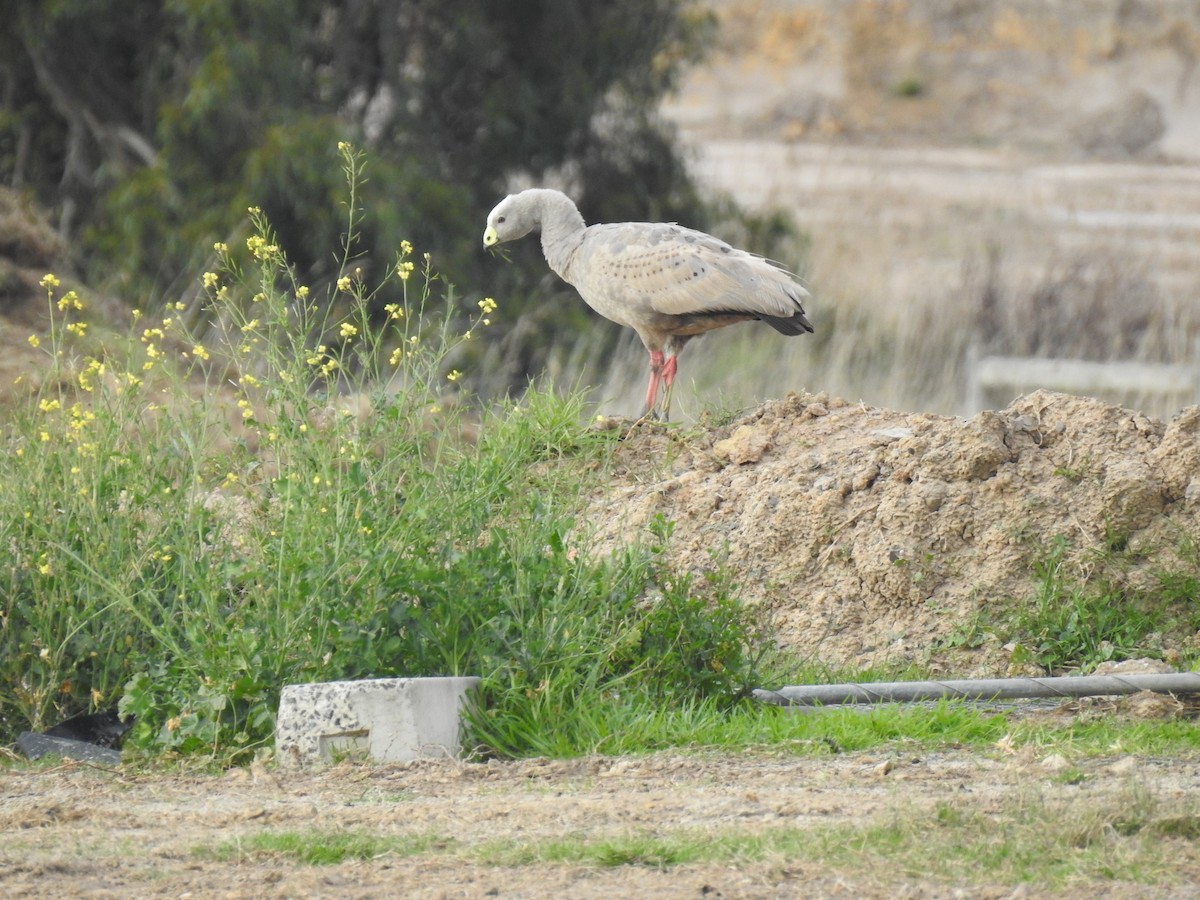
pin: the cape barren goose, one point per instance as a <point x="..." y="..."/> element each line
<point x="666" y="282"/>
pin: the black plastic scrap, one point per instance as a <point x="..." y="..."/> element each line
<point x="94" y="737"/>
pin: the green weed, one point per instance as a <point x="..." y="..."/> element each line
<point x="1077" y="618"/>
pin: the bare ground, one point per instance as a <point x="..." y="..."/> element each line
<point x="79" y="831"/>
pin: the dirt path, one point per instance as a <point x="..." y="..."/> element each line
<point x="80" y="831"/>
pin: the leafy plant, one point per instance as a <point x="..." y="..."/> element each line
<point x="1078" y="618"/>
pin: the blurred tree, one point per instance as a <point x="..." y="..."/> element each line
<point x="148" y="126"/>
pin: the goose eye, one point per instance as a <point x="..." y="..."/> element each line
<point x="500" y="220"/>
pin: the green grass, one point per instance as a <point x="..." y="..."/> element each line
<point x="1027" y="840"/>
<point x="1128" y="836"/>
<point x="1091" y="607"/>
<point x="324" y="848"/>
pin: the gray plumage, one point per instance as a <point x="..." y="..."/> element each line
<point x="666" y="282"/>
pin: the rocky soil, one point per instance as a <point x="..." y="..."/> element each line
<point x="872" y="535"/>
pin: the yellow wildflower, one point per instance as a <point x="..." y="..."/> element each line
<point x="34" y="341"/>
<point x="397" y="355"/>
<point x="49" y="405"/>
<point x="250" y="326"/>
<point x="200" y="352"/>
<point x="453" y="375"/>
<point x="348" y="330"/>
<point x="343" y="284"/>
<point x="394" y="310"/>
<point x="405" y="248"/>
<point x="302" y="291"/>
<point x="49" y="282"/>
<point x="79" y="329"/>
<point x="70" y="300"/>
<point x="220" y="247"/>
<point x="487" y="305"/>
<point x="94" y="367"/>
<point x="210" y="280"/>
<point x="404" y="269"/>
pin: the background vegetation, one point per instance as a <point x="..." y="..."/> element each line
<point x="149" y="126"/>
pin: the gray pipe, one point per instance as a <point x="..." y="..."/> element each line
<point x="980" y="689"/>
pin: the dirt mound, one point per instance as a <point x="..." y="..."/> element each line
<point x="871" y="534"/>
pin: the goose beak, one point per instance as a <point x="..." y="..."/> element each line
<point x="490" y="237"/>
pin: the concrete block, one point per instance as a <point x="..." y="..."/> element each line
<point x="376" y="720"/>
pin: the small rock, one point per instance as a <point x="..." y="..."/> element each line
<point x="825" y="483"/>
<point x="1027" y="424"/>
<point x="933" y="494"/>
<point x="1132" y="495"/>
<point x="745" y="445"/>
<point x="1192" y="492"/>
<point x="1143" y="666"/>
<point x="865" y="477"/>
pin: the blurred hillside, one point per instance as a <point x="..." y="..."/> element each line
<point x="1018" y="179"/>
<point x="1097" y="78"/>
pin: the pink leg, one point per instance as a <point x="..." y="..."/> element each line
<point x="656" y="371"/>
<point x="668" y="379"/>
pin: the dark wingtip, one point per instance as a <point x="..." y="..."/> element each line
<point x="793" y="325"/>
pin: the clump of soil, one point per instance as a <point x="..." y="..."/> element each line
<point x="870" y="534"/>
